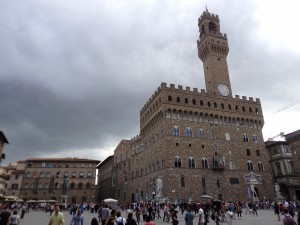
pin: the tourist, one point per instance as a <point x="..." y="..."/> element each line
<point x="14" y="219"/>
<point x="201" y="216"/>
<point x="119" y="219"/>
<point x="94" y="221"/>
<point x="189" y="217"/>
<point x="4" y="216"/>
<point x="57" y="218"/>
<point x="77" y="219"/>
<point x="104" y="214"/>
<point x="228" y="216"/>
<point x="130" y="220"/>
<point x="287" y="219"/>
<point x="148" y="221"/>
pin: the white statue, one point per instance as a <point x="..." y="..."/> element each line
<point x="159" y="186"/>
<point x="277" y="190"/>
<point x="252" y="188"/>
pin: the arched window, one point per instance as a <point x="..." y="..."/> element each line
<point x="42" y="174"/>
<point x="248" y="153"/>
<point x="48" y="175"/>
<point x="28" y="174"/>
<point x="257" y="153"/>
<point x="88" y="186"/>
<point x="80" y="186"/>
<point x="213" y="135"/>
<point x="201" y="134"/>
<point x="182" y="182"/>
<point x="72" y="185"/>
<point x="191" y="162"/>
<point x="249" y="165"/>
<point x="188" y="132"/>
<point x="46" y="186"/>
<point x="245" y="137"/>
<point x="255" y="139"/>
<point x="177" y="160"/>
<point x="260" y="166"/>
<point x="178" y="99"/>
<point x="227" y="136"/>
<point x="203" y="183"/>
<point x="175" y="131"/>
<point x="212" y="26"/>
<point x="204" y="163"/>
<point x="170" y="98"/>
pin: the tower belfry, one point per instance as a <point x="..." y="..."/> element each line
<point x="213" y="50"/>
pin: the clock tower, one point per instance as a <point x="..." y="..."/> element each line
<point x="213" y="50"/>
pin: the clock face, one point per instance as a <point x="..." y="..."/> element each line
<point x="223" y="90"/>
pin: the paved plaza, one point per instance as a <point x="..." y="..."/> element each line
<point x="265" y="217"/>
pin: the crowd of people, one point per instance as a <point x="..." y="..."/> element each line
<point x="146" y="213"/>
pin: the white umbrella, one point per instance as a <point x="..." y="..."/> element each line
<point x="206" y="197"/>
<point x="110" y="200"/>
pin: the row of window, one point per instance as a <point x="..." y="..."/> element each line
<point x="214" y="105"/>
<point x="201" y="134"/>
<point x="58" y="174"/>
<point x="219" y="162"/>
<point x="189" y="133"/>
<point x="201" y="103"/>
<point x="212" y="119"/>
<point x="58" y="165"/>
<point x="57" y="186"/>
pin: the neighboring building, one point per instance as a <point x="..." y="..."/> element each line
<point x="294" y="141"/>
<point x="3" y="141"/>
<point x="14" y="176"/>
<point x="105" y="179"/>
<point x="282" y="165"/>
<point x="43" y="178"/>
<point x="196" y="142"/>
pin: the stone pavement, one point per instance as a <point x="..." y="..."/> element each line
<point x="265" y="217"/>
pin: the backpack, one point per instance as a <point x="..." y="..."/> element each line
<point x="290" y="220"/>
<point x="120" y="222"/>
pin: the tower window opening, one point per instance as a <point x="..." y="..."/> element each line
<point x="212" y="26"/>
<point x="218" y="59"/>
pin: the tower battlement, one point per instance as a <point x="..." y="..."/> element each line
<point x="209" y="16"/>
<point x="192" y="91"/>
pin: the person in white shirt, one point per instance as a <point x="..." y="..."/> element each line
<point x="201" y="216"/>
<point x="228" y="216"/>
<point x="119" y="219"/>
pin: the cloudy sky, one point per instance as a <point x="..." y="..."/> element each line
<point x="75" y="74"/>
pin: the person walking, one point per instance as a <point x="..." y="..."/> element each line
<point x="228" y="216"/>
<point x="94" y="221"/>
<point x="4" y="216"/>
<point x="189" y="217"/>
<point x="77" y="219"/>
<point x="57" y="218"/>
<point x="104" y="214"/>
<point x="201" y="216"/>
<point x="14" y="219"/>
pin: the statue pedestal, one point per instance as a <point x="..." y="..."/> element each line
<point x="64" y="200"/>
<point x="159" y="199"/>
<point x="279" y="199"/>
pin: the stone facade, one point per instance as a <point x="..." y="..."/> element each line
<point x="196" y="142"/>
<point x="43" y="178"/>
<point x="293" y="139"/>
<point x="105" y="179"/>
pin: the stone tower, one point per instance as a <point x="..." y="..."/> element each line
<point x="197" y="141"/>
<point x="213" y="50"/>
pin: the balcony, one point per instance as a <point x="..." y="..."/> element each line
<point x="217" y="167"/>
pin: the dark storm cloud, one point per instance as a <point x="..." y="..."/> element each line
<point x="74" y="75"/>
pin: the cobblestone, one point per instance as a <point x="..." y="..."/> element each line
<point x="265" y="217"/>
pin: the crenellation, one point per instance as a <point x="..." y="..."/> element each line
<point x="195" y="90"/>
<point x="244" y="98"/>
<point x="180" y="88"/>
<point x="237" y="96"/>
<point x="187" y="89"/>
<point x="172" y="86"/>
